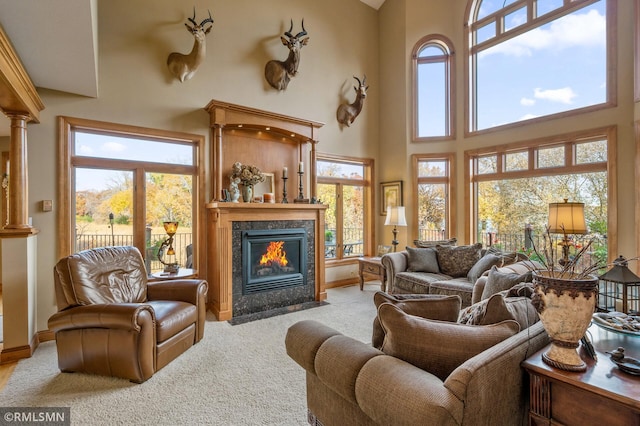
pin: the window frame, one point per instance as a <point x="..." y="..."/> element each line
<point x="449" y="181"/>
<point x="568" y="141"/>
<point x="369" y="203"/>
<point x="444" y="43"/>
<point x="470" y="126"/>
<point x="67" y="162"/>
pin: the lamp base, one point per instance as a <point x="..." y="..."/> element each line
<point x="171" y="268"/>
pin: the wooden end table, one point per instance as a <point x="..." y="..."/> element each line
<point x="372" y="266"/>
<point x="602" y="395"/>
<point x="182" y="273"/>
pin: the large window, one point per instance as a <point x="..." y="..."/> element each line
<point x="433" y="68"/>
<point x="532" y="59"/>
<point x="121" y="183"/>
<point x="513" y="186"/>
<point x="434" y="198"/>
<point x="344" y="184"/>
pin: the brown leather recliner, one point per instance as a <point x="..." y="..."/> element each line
<point x="111" y="322"/>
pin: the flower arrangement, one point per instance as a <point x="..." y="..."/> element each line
<point x="248" y="175"/>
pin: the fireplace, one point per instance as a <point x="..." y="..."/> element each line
<point x="273" y="259"/>
<point x="273" y="265"/>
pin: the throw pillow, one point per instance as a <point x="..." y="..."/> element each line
<point x="431" y="244"/>
<point x="484" y="264"/>
<point x="438" y="347"/>
<point x="498" y="308"/>
<point x="498" y="281"/>
<point x="422" y="260"/>
<point x="456" y="261"/>
<point x="432" y="306"/>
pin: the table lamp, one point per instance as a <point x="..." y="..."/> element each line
<point x="566" y="218"/>
<point x="395" y="217"/>
<point x="170" y="227"/>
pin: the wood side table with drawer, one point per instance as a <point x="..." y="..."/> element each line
<point x="372" y="266"/>
<point x="602" y="395"/>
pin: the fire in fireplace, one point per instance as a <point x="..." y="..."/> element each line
<point x="273" y="259"/>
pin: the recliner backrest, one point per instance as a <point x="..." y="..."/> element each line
<point x="101" y="275"/>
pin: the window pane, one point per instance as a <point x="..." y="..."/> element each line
<point x="328" y="194"/>
<point x="591" y="152"/>
<point x="542" y="71"/>
<point x="432" y="99"/>
<point x="551" y="157"/>
<point x="340" y="170"/>
<point x="103" y="208"/>
<point x="432" y="211"/>
<point x="123" y="148"/>
<point x="545" y="6"/>
<point x="485" y="32"/>
<point x="487" y="7"/>
<point x="487" y="165"/>
<point x="515" y="18"/>
<point x="516" y="161"/>
<point x="353" y="220"/>
<point x="430" y="168"/>
<point x="169" y="198"/>
<point x="431" y="50"/>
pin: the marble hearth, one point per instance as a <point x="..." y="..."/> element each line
<point x="227" y="222"/>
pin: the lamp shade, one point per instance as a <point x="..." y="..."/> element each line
<point x="395" y="216"/>
<point x="567" y="218"/>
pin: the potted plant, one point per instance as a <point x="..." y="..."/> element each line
<point x="565" y="297"/>
<point x="328" y="236"/>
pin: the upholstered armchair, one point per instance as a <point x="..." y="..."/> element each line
<point x="112" y="322"/>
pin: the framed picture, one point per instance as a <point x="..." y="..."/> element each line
<point x="267" y="186"/>
<point x="390" y="195"/>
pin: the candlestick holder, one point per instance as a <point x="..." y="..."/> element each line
<point x="284" y="190"/>
<point x="301" y="193"/>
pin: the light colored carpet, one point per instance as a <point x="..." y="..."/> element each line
<point x="237" y="375"/>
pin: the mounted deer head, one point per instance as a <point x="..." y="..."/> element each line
<point x="347" y="113"/>
<point x="278" y="73"/>
<point x="185" y="66"/>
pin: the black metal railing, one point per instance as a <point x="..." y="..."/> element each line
<point x="352" y="243"/>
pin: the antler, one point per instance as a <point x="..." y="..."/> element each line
<point x="193" y="20"/>
<point x="209" y="19"/>
<point x="303" y="32"/>
<point x="359" y="82"/>
<point x="288" y="33"/>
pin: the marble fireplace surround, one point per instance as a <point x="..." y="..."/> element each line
<point x="224" y="218"/>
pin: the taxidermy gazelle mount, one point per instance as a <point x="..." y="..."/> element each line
<point x="185" y="66"/>
<point x="278" y="73"/>
<point x="347" y="113"/>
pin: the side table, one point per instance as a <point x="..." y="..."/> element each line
<point x="182" y="273"/>
<point x="372" y="266"/>
<point x="602" y="395"/>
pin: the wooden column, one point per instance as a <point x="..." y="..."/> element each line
<point x="18" y="180"/>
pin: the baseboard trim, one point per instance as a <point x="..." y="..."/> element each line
<point x="342" y="283"/>
<point x="26" y="351"/>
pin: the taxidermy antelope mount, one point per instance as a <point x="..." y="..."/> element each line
<point x="185" y="66"/>
<point x="347" y="113"/>
<point x="278" y="73"/>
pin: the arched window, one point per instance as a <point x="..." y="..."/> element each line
<point x="531" y="59"/>
<point x="433" y="89"/>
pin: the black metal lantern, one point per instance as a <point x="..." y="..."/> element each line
<point x="619" y="289"/>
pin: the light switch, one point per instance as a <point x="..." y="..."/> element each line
<point x="47" y="205"/>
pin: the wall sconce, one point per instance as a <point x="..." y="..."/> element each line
<point x="395" y="217"/>
<point x="566" y="218"/>
<point x="619" y="289"/>
<point x="170" y="227"/>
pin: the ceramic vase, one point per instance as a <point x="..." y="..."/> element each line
<point x="247" y="193"/>
<point x="566" y="306"/>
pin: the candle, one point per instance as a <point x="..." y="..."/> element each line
<point x="301" y="167"/>
<point x="284" y="172"/>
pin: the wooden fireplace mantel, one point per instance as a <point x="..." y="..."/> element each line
<point x="220" y="219"/>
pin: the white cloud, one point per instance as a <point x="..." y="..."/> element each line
<point x="585" y="29"/>
<point x="564" y="95"/>
<point x="527" y="102"/>
<point x="113" y="147"/>
<point x="85" y="149"/>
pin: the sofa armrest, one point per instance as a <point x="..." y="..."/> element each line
<point x="387" y="389"/>
<point x="124" y="316"/>
<point x="478" y="288"/>
<point x="192" y="291"/>
<point x="393" y="264"/>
